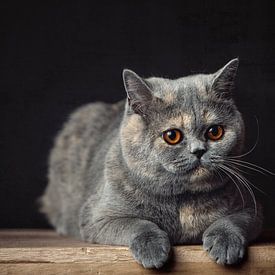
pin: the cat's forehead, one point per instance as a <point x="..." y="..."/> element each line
<point x="188" y="119"/>
<point x="186" y="102"/>
<point x="185" y="89"/>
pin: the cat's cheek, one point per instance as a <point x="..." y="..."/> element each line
<point x="170" y="168"/>
<point x="227" y="143"/>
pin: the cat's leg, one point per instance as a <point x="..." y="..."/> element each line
<point x="149" y="244"/>
<point x="226" y="239"/>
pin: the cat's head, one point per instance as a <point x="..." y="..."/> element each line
<point x="174" y="131"/>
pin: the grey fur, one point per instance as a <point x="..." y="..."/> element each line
<point x="114" y="180"/>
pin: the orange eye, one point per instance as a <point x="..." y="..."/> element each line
<point x="172" y="136"/>
<point x="214" y="133"/>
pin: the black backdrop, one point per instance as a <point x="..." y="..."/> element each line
<point x="58" y="55"/>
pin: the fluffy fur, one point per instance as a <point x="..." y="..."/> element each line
<point x="114" y="180"/>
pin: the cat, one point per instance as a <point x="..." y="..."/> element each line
<point x="150" y="171"/>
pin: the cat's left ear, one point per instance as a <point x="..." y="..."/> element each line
<point x="223" y="81"/>
<point x="138" y="93"/>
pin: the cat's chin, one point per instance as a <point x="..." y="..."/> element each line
<point x="199" y="178"/>
<point x="203" y="179"/>
<point x="198" y="172"/>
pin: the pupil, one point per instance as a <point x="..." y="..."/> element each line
<point x="214" y="131"/>
<point x="172" y="135"/>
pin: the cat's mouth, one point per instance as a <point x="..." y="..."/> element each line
<point x="193" y="168"/>
<point x="197" y="168"/>
<point x="195" y="172"/>
<point x="198" y="172"/>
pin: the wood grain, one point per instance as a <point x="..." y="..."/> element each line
<point x="45" y="252"/>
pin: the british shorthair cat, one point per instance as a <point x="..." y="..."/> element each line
<point x="154" y="170"/>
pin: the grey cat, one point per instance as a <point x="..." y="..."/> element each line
<point x="152" y="171"/>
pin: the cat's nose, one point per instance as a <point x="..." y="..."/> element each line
<point x="197" y="148"/>
<point x="198" y="152"/>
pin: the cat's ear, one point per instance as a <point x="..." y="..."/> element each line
<point x="223" y="81"/>
<point x="138" y="93"/>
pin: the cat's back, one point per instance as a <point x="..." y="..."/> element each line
<point x="75" y="146"/>
<point x="87" y="124"/>
<point x="81" y="136"/>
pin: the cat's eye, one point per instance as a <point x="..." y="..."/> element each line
<point x="172" y="136"/>
<point x="214" y="132"/>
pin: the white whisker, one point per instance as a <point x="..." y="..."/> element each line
<point x="235" y="184"/>
<point x="247" y="181"/>
<point x="253" y="166"/>
<point x="244" y="182"/>
<point x="254" y="146"/>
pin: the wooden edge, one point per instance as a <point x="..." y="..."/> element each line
<point x="45" y="252"/>
<point x="111" y="254"/>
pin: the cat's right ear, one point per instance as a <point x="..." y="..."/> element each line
<point x="223" y="82"/>
<point x="138" y="93"/>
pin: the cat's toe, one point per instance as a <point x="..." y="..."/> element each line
<point x="208" y="243"/>
<point x="151" y="249"/>
<point x="218" y="252"/>
<point x="235" y="252"/>
<point x="224" y="248"/>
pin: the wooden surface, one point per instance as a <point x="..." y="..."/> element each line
<point x="44" y="252"/>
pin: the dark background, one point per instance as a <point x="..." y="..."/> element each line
<point x="58" y="55"/>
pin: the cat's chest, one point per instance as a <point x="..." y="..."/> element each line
<point x="195" y="218"/>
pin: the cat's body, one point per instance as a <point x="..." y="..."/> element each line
<point x="114" y="180"/>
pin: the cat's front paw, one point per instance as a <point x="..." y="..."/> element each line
<point x="151" y="249"/>
<point x="224" y="247"/>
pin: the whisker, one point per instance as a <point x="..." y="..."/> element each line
<point x="231" y="165"/>
<point x="254" y="146"/>
<point x="236" y="168"/>
<point x="218" y="172"/>
<point x="250" y="183"/>
<point x="254" y="166"/>
<point x="240" y="192"/>
<point x="241" y="180"/>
